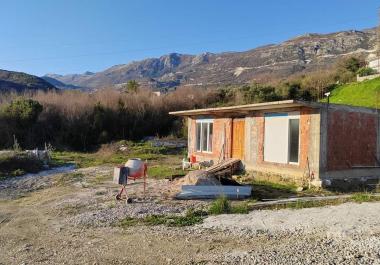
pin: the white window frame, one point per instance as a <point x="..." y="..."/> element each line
<point x="202" y="123"/>
<point x="289" y="116"/>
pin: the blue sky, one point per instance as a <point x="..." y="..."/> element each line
<point x="73" y="36"/>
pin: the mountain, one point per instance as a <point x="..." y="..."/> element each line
<point x="57" y="83"/>
<point x="299" y="55"/>
<point x="20" y="82"/>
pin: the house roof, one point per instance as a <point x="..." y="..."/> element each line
<point x="243" y="109"/>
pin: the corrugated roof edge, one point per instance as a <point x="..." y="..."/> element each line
<point x="272" y="105"/>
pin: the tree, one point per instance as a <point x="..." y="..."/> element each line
<point x="20" y="118"/>
<point x="351" y="64"/>
<point x="23" y="111"/>
<point x="132" y="86"/>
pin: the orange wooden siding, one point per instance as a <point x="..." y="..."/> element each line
<point x="238" y="138"/>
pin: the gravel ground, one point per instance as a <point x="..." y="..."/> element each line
<point x="108" y="216"/>
<point x="342" y="220"/>
<point x="72" y="224"/>
<point x="18" y="186"/>
<point x="343" y="234"/>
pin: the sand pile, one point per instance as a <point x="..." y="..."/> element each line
<point x="199" y="178"/>
<point x="196" y="177"/>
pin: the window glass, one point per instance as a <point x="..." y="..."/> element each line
<point x="210" y="137"/>
<point x="204" y="136"/>
<point x="294" y="140"/>
<point x="204" y="133"/>
<point x="198" y="136"/>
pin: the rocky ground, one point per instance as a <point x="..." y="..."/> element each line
<point x="72" y="219"/>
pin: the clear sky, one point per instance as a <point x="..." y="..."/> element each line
<point x="73" y="36"/>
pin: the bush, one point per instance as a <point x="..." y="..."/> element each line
<point x="15" y="164"/>
<point x="18" y="120"/>
<point x="83" y="121"/>
<point x="220" y="206"/>
<point x="366" y="71"/>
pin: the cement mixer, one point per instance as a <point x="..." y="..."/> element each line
<point x="134" y="169"/>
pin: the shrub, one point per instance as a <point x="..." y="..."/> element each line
<point x="15" y="164"/>
<point x="366" y="71"/>
<point x="83" y="121"/>
<point x="220" y="206"/>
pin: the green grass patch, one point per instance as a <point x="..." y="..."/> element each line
<point x="128" y="221"/>
<point x="299" y="204"/>
<point x="303" y="204"/>
<point x="364" y="197"/>
<point x="271" y="190"/>
<point x="83" y="160"/>
<point x="69" y="178"/>
<point x="223" y="206"/>
<point x="110" y="155"/>
<point x="163" y="171"/>
<point x="240" y="208"/>
<point x="191" y="218"/>
<point x="220" y="206"/>
<point x="364" y="94"/>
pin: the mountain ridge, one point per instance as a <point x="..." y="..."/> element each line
<point x="21" y="82"/>
<point x="301" y="54"/>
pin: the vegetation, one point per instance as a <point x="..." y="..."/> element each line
<point x="272" y="190"/>
<point x="158" y="158"/>
<point x="364" y="197"/>
<point x="18" y="81"/>
<point x="364" y="94"/>
<point x="300" y="204"/>
<point x="190" y="218"/>
<point x="366" y="71"/>
<point x="15" y="164"/>
<point x="223" y="206"/>
<point x="82" y="121"/>
<point x="69" y="178"/>
<point x="132" y="86"/>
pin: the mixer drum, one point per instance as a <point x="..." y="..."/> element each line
<point x="136" y="167"/>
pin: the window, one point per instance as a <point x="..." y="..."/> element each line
<point x="204" y="132"/>
<point x="281" y="138"/>
<point x="294" y="140"/>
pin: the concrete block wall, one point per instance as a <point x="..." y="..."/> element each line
<point x="351" y="143"/>
<point x="309" y="145"/>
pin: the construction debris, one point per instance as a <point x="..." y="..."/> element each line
<point x="226" y="167"/>
<point x="207" y="184"/>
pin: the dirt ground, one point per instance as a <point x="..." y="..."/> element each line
<point x="70" y="219"/>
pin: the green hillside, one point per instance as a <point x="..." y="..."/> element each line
<point x="364" y="94"/>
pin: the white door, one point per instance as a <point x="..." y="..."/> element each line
<point x="276" y="138"/>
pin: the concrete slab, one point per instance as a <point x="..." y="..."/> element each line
<point x="211" y="192"/>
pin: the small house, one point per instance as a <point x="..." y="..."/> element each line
<point x="319" y="142"/>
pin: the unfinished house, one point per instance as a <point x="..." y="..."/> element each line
<point x="316" y="142"/>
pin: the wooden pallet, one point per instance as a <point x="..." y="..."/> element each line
<point x="228" y="166"/>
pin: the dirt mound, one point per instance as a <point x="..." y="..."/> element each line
<point x="196" y="177"/>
